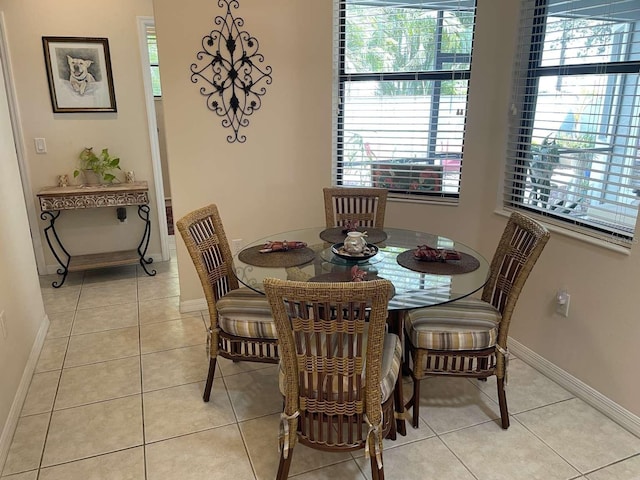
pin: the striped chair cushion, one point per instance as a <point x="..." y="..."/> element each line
<point x="467" y="324"/>
<point x="391" y="360"/>
<point x="245" y="313"/>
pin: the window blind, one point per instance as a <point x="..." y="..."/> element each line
<point x="152" y="46"/>
<point x="572" y="154"/>
<point x="403" y="71"/>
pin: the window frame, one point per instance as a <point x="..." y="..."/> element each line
<point x="514" y="198"/>
<point x="435" y="75"/>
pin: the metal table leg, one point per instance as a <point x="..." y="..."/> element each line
<point x="143" y="213"/>
<point x="51" y="234"/>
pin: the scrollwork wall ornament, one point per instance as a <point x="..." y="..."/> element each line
<point x="230" y="72"/>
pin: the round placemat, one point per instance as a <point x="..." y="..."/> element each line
<point x="282" y="259"/>
<point x="466" y="264"/>
<point x="336" y="235"/>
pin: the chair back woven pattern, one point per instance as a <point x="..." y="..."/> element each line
<point x="326" y="357"/>
<point x="206" y="241"/>
<point x="522" y="242"/>
<point x="367" y="206"/>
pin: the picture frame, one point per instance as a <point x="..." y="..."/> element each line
<point x="79" y="74"/>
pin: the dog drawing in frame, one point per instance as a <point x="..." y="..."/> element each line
<point x="80" y="76"/>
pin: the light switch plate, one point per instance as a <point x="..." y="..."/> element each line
<point x="41" y="145"/>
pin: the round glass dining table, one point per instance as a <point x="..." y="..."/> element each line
<point x="414" y="287"/>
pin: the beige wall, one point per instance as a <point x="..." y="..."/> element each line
<point x="20" y="298"/>
<point x="273" y="182"/>
<point x="125" y="133"/>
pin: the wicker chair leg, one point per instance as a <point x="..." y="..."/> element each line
<point x="416" y="402"/>
<point x="376" y="474"/>
<point x="398" y="400"/>
<point x="285" y="464"/>
<point x="502" y="400"/>
<point x="209" y="384"/>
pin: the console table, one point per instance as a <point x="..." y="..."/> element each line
<point x="55" y="199"/>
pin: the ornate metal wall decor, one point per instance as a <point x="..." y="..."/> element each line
<point x="230" y="73"/>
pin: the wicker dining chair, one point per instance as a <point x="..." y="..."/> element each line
<point x="241" y="325"/>
<point x="468" y="337"/>
<point x="338" y="367"/>
<point x="346" y="204"/>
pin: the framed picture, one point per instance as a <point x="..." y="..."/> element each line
<point x="79" y="74"/>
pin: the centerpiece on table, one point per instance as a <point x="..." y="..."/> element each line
<point x="97" y="168"/>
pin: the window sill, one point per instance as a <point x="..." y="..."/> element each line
<point x="598" y="242"/>
<point x="424" y="200"/>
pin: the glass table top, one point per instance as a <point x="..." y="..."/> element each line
<point x="413" y="289"/>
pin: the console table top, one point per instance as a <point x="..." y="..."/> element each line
<point x="93" y="189"/>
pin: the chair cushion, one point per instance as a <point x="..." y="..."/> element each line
<point x="467" y="324"/>
<point x="245" y="313"/>
<point x="391" y="360"/>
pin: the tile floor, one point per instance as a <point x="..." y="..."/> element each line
<point x="117" y="395"/>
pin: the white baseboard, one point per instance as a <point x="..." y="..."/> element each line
<point x="580" y="389"/>
<point x="18" y="400"/>
<point x="193" y="305"/>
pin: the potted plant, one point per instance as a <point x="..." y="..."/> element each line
<point x="101" y="165"/>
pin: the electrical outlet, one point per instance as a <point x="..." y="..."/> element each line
<point x="563" y="300"/>
<point x="236" y="245"/>
<point x="3" y="325"/>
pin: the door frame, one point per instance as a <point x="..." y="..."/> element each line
<point x="18" y="138"/>
<point x="154" y="143"/>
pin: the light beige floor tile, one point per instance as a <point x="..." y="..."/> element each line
<point x="158" y="287"/>
<point x="254" y="394"/>
<point x="109" y="275"/>
<point x="163" y="269"/>
<point x="26" y="447"/>
<point x="425" y="459"/>
<point x="101" y="319"/>
<point x="185" y="332"/>
<point x="199" y="455"/>
<point x="413" y="435"/>
<point x="74" y="279"/>
<point x="261" y="437"/>
<point x="61" y="300"/>
<point x="626" y="470"/>
<point x="102" y="346"/>
<point x="52" y="354"/>
<point x="32" y="475"/>
<point x="107" y="294"/>
<point x="527" y="388"/>
<point x="175" y="411"/>
<point x="495" y="454"/>
<point x="98" y="382"/>
<point x="447" y="404"/>
<point x="174" y="367"/>
<point x="342" y="471"/>
<point x="94" y="429"/>
<point x="582" y="435"/>
<point x="161" y="310"/>
<point x="41" y="394"/>
<point x="123" y="465"/>
<point x="60" y="324"/>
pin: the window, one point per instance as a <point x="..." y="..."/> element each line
<point x="573" y="149"/>
<point x="152" y="46"/>
<point x="403" y="76"/>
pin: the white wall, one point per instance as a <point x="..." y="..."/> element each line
<point x="20" y="297"/>
<point x="125" y="132"/>
<point x="273" y="182"/>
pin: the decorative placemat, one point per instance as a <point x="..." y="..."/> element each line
<point x="466" y="264"/>
<point x="289" y="258"/>
<point x="335" y="235"/>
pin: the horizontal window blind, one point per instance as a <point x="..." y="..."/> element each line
<point x="403" y="75"/>
<point x="152" y="46"/>
<point x="573" y="145"/>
